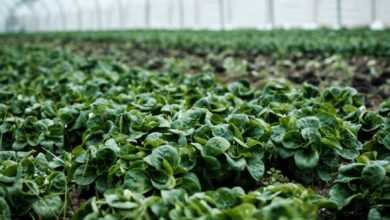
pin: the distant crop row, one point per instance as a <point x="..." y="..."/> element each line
<point x="277" y="42"/>
<point x="323" y="58"/>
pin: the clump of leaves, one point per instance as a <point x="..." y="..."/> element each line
<point x="378" y="147"/>
<point x="31" y="184"/>
<point x="279" y="201"/>
<point x="314" y="130"/>
<point x="363" y="186"/>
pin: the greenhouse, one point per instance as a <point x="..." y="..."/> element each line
<point x="190" y="109"/>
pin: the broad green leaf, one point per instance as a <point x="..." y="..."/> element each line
<point x="173" y="196"/>
<point x="238" y="165"/>
<point x="308" y="122"/>
<point x="226" y="197"/>
<point x="84" y="175"/>
<point x="256" y="166"/>
<point x="212" y="164"/>
<point x="136" y="180"/>
<point x="352" y="169"/>
<point x="5" y="212"/>
<point x="371" y="121"/>
<point x="114" y="201"/>
<point x="163" y="181"/>
<point x="306" y="158"/>
<point x="310" y="134"/>
<point x="154" y="140"/>
<point x="241" y="212"/>
<point x="163" y="153"/>
<point x="222" y="131"/>
<point x="324" y="173"/>
<point x="386" y="141"/>
<point x="216" y="146"/>
<point x="49" y="206"/>
<point x="292" y="140"/>
<point x="348" y="153"/>
<point x="190" y="183"/>
<point x="373" y="174"/>
<point x="342" y="195"/>
<point x="111" y="144"/>
<point x="374" y="214"/>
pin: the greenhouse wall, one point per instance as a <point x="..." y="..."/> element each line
<point x="67" y="15"/>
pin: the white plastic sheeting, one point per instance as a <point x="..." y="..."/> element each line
<point x="65" y="15"/>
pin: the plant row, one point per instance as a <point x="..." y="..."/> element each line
<point x="281" y="42"/>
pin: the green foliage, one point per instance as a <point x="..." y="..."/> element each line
<point x="96" y="139"/>
<point x="325" y="41"/>
<point x="364" y="185"/>
<point x="280" y="201"/>
<point x="5" y="212"/>
<point x="31" y="184"/>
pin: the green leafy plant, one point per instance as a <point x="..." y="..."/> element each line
<point x="279" y="201"/>
<point x="363" y="185"/>
<point x="31" y="184"/>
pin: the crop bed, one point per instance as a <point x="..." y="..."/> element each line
<point x="117" y="126"/>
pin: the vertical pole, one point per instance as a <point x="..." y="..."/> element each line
<point x="373" y="10"/>
<point x="181" y="13"/>
<point x="339" y="14"/>
<point x="221" y="14"/>
<point x="270" y="13"/>
<point x="197" y="13"/>
<point x="315" y="12"/>
<point x="147" y="13"/>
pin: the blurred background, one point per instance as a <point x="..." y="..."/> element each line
<point x="85" y="15"/>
